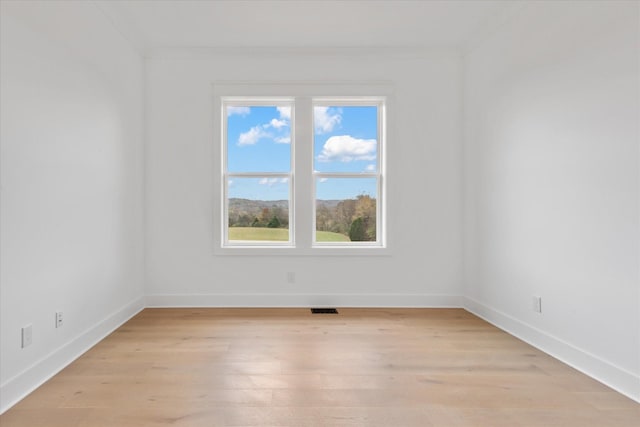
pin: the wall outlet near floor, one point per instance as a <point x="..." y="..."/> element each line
<point x="537" y="304"/>
<point x="27" y="336"/>
<point x="291" y="277"/>
<point x="59" y="319"/>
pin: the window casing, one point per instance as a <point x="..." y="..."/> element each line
<point x="302" y="177"/>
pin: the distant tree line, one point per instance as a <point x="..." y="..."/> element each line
<point x="355" y="218"/>
<point x="258" y="213"/>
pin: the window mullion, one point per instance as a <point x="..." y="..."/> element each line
<point x="303" y="173"/>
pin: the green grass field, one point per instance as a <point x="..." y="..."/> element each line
<point x="328" y="236"/>
<point x="278" y="234"/>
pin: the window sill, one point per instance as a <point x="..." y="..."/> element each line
<point x="320" y="251"/>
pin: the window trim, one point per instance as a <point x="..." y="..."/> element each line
<point x="302" y="93"/>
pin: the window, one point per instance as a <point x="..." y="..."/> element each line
<point x="302" y="173"/>
<point x="346" y="172"/>
<point x="258" y="172"/>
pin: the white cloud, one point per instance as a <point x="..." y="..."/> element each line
<point x="345" y="148"/>
<point x="275" y="123"/>
<point x="230" y="183"/>
<point x="324" y="179"/>
<point x="252" y="136"/>
<point x="325" y="119"/>
<point x="285" y="112"/>
<point x="283" y="140"/>
<point x="241" y="111"/>
<point x="370" y="168"/>
<point x="271" y="181"/>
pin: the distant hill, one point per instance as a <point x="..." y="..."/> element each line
<point x="256" y="206"/>
<point x="330" y="204"/>
<point x="248" y="205"/>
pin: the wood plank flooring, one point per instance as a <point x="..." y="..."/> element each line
<point x="287" y="367"/>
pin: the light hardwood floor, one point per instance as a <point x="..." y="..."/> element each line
<point x="287" y="367"/>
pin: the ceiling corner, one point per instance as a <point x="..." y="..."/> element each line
<point x="123" y="25"/>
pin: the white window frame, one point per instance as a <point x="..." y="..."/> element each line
<point x="256" y="102"/>
<point x="302" y="175"/>
<point x="371" y="101"/>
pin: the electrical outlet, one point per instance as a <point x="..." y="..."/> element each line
<point x="27" y="336"/>
<point x="291" y="277"/>
<point x="59" y="319"/>
<point x="537" y="304"/>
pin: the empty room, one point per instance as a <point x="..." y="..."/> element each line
<point x="319" y="213"/>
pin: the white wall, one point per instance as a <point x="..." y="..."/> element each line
<point x="551" y="183"/>
<point x="71" y="145"/>
<point x="424" y="183"/>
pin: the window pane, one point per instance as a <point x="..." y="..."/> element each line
<point x="346" y="209"/>
<point x="258" y="209"/>
<point x="345" y="139"/>
<point x="258" y="139"/>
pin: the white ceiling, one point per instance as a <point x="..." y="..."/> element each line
<point x="151" y="24"/>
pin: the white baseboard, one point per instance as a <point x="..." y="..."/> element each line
<point x="619" y="379"/>
<point x="18" y="387"/>
<point x="304" y="300"/>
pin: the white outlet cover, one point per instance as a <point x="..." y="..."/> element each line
<point x="537" y="304"/>
<point x="27" y="336"/>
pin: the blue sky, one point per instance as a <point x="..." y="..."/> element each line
<point x="345" y="139"/>
<point x="259" y="140"/>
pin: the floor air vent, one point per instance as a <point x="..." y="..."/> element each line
<point x="324" y="311"/>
